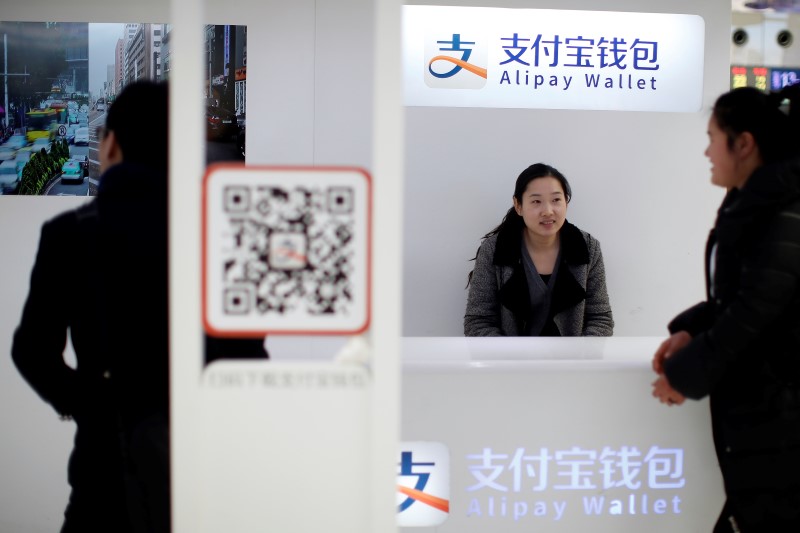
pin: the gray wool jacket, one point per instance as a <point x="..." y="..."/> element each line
<point x="498" y="303"/>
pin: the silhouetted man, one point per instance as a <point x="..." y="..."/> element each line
<point x="101" y="275"/>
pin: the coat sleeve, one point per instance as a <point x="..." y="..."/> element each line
<point x="768" y="283"/>
<point x="694" y="320"/>
<point x="598" y="320"/>
<point x="482" y="316"/>
<point x="40" y="338"/>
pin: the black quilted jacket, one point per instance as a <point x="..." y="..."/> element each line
<point x="745" y="350"/>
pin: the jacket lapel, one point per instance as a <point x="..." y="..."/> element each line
<point x="514" y="294"/>
<point x="567" y="291"/>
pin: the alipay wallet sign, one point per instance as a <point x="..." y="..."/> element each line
<point x="552" y="59"/>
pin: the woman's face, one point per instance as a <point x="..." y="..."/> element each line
<point x="722" y="158"/>
<point x="543" y="206"/>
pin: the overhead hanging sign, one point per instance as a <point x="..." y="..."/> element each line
<point x="552" y="59"/>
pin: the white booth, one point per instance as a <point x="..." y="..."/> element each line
<point x="492" y="434"/>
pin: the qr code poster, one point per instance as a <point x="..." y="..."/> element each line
<point x="286" y="250"/>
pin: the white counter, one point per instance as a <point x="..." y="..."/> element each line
<point x="554" y="435"/>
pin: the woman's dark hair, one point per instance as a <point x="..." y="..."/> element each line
<point x="773" y="126"/>
<point x="512" y="221"/>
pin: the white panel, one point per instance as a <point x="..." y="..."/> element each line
<point x="791" y="57"/>
<point x="751" y="52"/>
<point x="280" y="81"/>
<point x="388" y="150"/>
<point x="279" y="440"/>
<point x="343" y="82"/>
<point x="87" y="11"/>
<point x="35" y="446"/>
<point x="185" y="344"/>
<point x="774" y="53"/>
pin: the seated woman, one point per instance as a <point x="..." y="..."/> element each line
<point x="536" y="274"/>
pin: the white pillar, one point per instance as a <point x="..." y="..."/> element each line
<point x="187" y="165"/>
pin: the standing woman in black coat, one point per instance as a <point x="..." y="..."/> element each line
<point x="742" y="345"/>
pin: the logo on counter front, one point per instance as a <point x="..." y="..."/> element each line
<point x="423" y="484"/>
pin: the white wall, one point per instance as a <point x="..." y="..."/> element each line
<point x="761" y="48"/>
<point x="309" y="84"/>
<point x="35" y="445"/>
<point x="640" y="185"/>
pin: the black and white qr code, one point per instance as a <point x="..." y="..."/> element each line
<point x="289" y="255"/>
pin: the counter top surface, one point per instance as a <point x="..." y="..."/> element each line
<point x="520" y="352"/>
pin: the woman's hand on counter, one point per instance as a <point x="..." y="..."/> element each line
<point x="665" y="393"/>
<point x="672" y="344"/>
